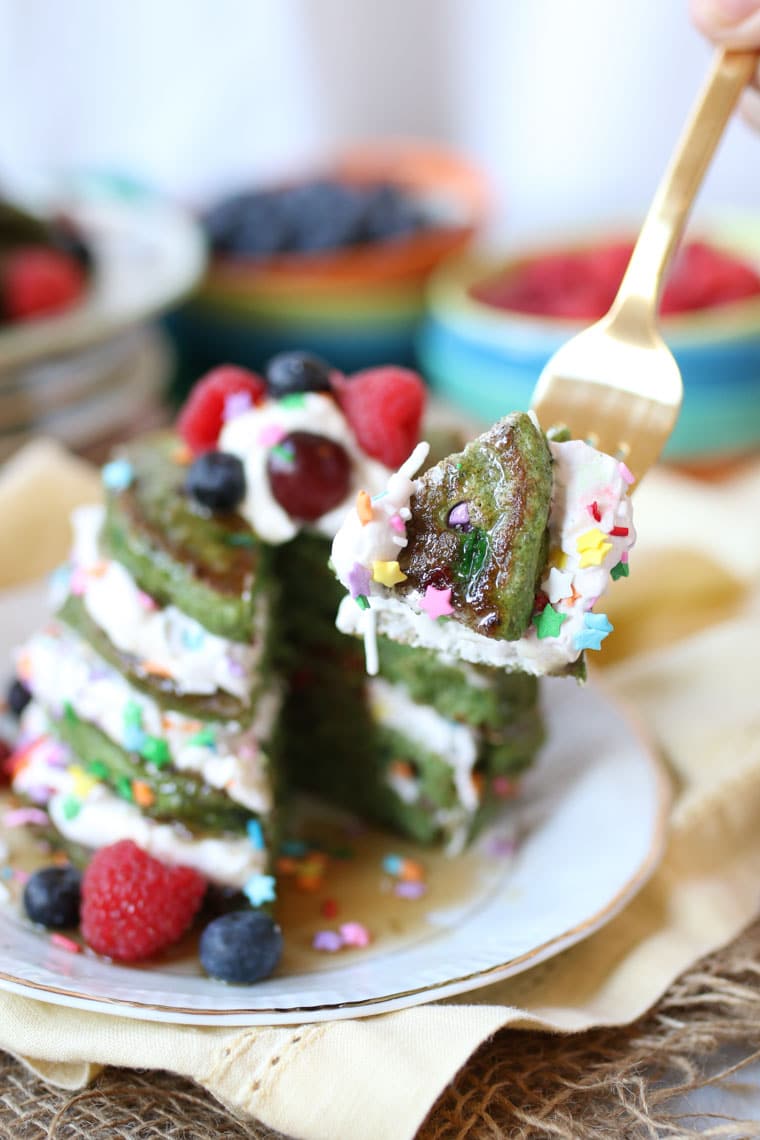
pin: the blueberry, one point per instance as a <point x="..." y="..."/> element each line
<point x="66" y="237"/>
<point x="326" y="216"/>
<point x="291" y="372"/>
<point x="51" y="897"/>
<point x="249" y="225"/>
<point x="391" y="214"/>
<point x="18" y="697"/>
<point x="243" y="946"/>
<point x="217" y="480"/>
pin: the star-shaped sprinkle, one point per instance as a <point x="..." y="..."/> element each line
<point x="293" y="400"/>
<point x="355" y="934"/>
<point x="410" y="889"/>
<point x="387" y="574"/>
<point x="392" y="864"/>
<point x="204" y="738"/>
<point x="549" y="622"/>
<point x="437" y="603"/>
<point x="364" y="508"/>
<point x="558" y="585"/>
<point x="557" y="557"/>
<point x="260" y="889"/>
<point x="398" y="524"/>
<point x="626" y="474"/>
<point x="133" y="713"/>
<point x="599" y="621"/>
<point x="592" y="547"/>
<point x="621" y="570"/>
<point x="81" y="783"/>
<point x="327" y="940"/>
<point x="117" y="475"/>
<point x="235" y="404"/>
<point x="358" y="579"/>
<point x="133" y="738"/>
<point x="193" y="637"/>
<point x="71" y="807"/>
<point x="597" y="627"/>
<point x="155" y="751"/>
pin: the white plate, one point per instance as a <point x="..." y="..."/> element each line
<point x="148" y="255"/>
<point x="589" y="826"/>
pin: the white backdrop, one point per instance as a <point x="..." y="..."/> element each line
<point x="571" y="107"/>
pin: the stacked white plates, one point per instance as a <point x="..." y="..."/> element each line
<point x="99" y="371"/>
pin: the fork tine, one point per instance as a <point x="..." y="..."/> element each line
<point x="635" y="428"/>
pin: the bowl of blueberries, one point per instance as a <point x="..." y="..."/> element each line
<point x="336" y="261"/>
<point x="494" y="321"/>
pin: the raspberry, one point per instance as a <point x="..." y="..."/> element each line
<point x="384" y="407"/>
<point x="133" y="906"/>
<point x="39" y="281"/>
<point x="209" y="404"/>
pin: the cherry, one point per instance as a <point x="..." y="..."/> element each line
<point x="309" y="474"/>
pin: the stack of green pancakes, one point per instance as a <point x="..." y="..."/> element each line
<point x="193" y="678"/>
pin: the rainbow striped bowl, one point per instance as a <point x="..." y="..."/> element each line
<point x="354" y="307"/>
<point x="487" y="360"/>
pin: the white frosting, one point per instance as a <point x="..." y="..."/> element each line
<point x="251" y="436"/>
<point x="171" y="641"/>
<point x="455" y="743"/>
<point x="103" y="818"/>
<point x="59" y="667"/>
<point x="585" y="480"/>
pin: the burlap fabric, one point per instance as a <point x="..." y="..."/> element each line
<point x="523" y="1085"/>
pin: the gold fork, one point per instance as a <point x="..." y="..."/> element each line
<point x="616" y="384"/>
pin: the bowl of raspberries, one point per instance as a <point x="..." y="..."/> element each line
<point x="335" y="260"/>
<point x="494" y="321"/>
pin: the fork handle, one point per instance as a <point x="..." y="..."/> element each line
<point x="729" y="74"/>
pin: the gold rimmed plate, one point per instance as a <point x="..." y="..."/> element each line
<point x="581" y="840"/>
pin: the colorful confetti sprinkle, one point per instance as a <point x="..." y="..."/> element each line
<point x="549" y="622"/>
<point x="64" y="943"/>
<point x="118" y="475"/>
<point x="364" y="508"/>
<point x="437" y="603"/>
<point x="328" y="941"/>
<point x="410" y="889"/>
<point x="358" y="580"/>
<point x="255" y="834"/>
<point x="592" y="547"/>
<point x="260" y="889"/>
<point x="558" y="585"/>
<point x="355" y="934"/>
<point x="387" y="573"/>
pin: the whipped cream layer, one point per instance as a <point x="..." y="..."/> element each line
<point x="590" y="535"/>
<point x="102" y="818"/>
<point x="60" y="669"/>
<point x="166" y="640"/>
<point x="456" y="744"/>
<point x="251" y="436"/>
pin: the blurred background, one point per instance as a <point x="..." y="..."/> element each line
<point x="554" y="119"/>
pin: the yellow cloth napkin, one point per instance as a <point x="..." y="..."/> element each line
<point x="686" y="646"/>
